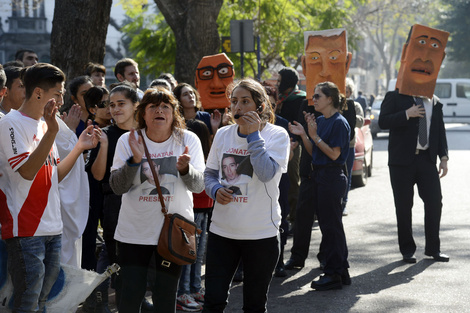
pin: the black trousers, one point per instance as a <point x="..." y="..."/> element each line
<point x="305" y="217"/>
<point x="424" y="174"/>
<point x="259" y="257"/>
<point x="135" y="260"/>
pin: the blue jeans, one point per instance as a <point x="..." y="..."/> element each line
<point x="190" y="280"/>
<point x="259" y="259"/>
<point x="34" y="265"/>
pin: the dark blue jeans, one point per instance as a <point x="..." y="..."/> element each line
<point x="259" y="259"/>
<point x="34" y="265"/>
<point x="134" y="261"/>
<point x="329" y="185"/>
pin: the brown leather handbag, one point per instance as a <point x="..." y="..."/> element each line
<point x="177" y="242"/>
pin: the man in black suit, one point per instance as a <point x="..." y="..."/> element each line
<point x="417" y="136"/>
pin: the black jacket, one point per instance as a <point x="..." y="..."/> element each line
<point x="404" y="133"/>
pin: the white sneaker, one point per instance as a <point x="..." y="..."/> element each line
<point x="199" y="296"/>
<point x="187" y="303"/>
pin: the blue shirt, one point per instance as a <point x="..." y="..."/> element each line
<point x="334" y="131"/>
<point x="206" y="118"/>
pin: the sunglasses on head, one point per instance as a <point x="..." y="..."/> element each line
<point x="102" y="104"/>
<point x="316" y="96"/>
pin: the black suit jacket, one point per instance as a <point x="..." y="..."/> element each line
<point x="404" y="133"/>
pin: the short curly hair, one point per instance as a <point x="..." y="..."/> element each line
<point x="157" y="96"/>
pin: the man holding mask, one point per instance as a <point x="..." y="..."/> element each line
<point x="417" y="136"/>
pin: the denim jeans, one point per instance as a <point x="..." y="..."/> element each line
<point x="190" y="281"/>
<point x="259" y="259"/>
<point x="34" y="265"/>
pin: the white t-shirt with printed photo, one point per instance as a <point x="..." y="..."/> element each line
<point x="254" y="213"/>
<point x="27" y="207"/>
<point x="140" y="218"/>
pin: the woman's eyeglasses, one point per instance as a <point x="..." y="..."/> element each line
<point x="316" y="96"/>
<point x="102" y="104"/>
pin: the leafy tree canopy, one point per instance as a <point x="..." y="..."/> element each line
<point x="456" y="20"/>
<point x="280" y="25"/>
<point x="387" y="24"/>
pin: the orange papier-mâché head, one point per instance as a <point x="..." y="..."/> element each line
<point x="214" y="73"/>
<point x="421" y="60"/>
<point x="326" y="59"/>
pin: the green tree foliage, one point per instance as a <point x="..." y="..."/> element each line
<point x="280" y="25"/>
<point x="456" y="20"/>
<point x="152" y="42"/>
<point x="387" y="24"/>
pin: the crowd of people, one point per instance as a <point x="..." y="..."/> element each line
<point x="248" y="168"/>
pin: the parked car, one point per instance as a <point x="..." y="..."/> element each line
<point x="363" y="160"/>
<point x="374" y="116"/>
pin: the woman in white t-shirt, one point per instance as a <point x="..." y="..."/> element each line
<point x="245" y="225"/>
<point x="178" y="154"/>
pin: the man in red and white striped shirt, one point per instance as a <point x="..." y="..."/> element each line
<point x="29" y="196"/>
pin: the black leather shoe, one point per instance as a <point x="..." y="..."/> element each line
<point x="345" y="278"/>
<point x="409" y="258"/>
<point x="439" y="257"/>
<point x="292" y="264"/>
<point x="280" y="271"/>
<point x="327" y="282"/>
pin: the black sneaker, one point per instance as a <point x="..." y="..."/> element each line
<point x="280" y="271"/>
<point x="293" y="264"/>
<point x="327" y="282"/>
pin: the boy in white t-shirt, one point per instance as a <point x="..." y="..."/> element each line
<point x="29" y="200"/>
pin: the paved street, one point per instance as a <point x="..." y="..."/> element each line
<point x="381" y="282"/>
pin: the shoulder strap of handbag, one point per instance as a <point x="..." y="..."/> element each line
<point x="155" y="176"/>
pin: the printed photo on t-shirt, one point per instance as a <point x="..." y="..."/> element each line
<point x="237" y="172"/>
<point x="167" y="173"/>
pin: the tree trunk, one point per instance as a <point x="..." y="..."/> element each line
<point x="194" y="24"/>
<point x="78" y="35"/>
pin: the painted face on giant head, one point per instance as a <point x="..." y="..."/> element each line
<point x="326" y="59"/>
<point x="214" y="73"/>
<point x="421" y="60"/>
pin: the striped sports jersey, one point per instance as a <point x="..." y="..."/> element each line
<point x="27" y="208"/>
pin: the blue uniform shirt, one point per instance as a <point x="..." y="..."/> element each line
<point x="335" y="132"/>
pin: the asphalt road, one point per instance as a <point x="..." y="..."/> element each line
<point x="381" y="282"/>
